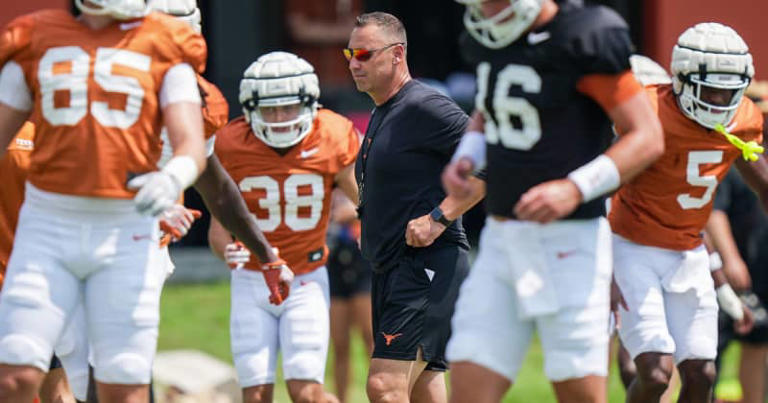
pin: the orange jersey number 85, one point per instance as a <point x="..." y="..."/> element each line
<point x="67" y="68"/>
<point x="293" y="200"/>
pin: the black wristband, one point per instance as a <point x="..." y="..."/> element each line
<point x="437" y="215"/>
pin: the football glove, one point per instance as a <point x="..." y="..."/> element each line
<point x="236" y="255"/>
<point x="177" y="220"/>
<point x="157" y="192"/>
<point x="279" y="277"/>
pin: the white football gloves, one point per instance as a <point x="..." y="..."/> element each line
<point x="157" y="192"/>
<point x="236" y="255"/>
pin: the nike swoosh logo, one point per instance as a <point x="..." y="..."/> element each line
<point x="140" y="237"/>
<point x="535" y="38"/>
<point x="310" y="152"/>
<point x="567" y="253"/>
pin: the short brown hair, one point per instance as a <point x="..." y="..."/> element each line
<point x="387" y="22"/>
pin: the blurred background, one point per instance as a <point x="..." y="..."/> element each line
<point x="195" y="312"/>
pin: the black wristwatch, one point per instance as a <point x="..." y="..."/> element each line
<point x="437" y="215"/>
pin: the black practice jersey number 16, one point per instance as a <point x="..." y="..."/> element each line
<point x="499" y="126"/>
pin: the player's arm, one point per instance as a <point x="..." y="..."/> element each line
<point x="718" y="235"/>
<point x="345" y="180"/>
<point x="468" y="157"/>
<point x="755" y="175"/>
<point x="182" y="116"/>
<point x="718" y="229"/>
<point x="228" y="208"/>
<point x="15" y="103"/>
<point x="424" y="230"/>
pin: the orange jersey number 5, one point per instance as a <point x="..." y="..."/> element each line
<point x="694" y="177"/>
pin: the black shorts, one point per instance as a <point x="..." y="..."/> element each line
<point x="55" y="363"/>
<point x="348" y="273"/>
<point x="410" y="310"/>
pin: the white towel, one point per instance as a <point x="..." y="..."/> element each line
<point x="692" y="273"/>
<point x="530" y="273"/>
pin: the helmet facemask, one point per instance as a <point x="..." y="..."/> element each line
<point x="117" y="9"/>
<point x="503" y="28"/>
<point x="694" y="101"/>
<point x="286" y="132"/>
<point x="280" y="80"/>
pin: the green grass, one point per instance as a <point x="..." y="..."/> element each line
<point x="197" y="317"/>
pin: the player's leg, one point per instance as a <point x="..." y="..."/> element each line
<point x="39" y="293"/>
<point x="692" y="321"/>
<point x="752" y="372"/>
<point x="488" y="341"/>
<point x="340" y="335"/>
<point x="122" y="305"/>
<point x="575" y="338"/>
<point x="55" y="388"/>
<point x="254" y="335"/>
<point x="339" y="273"/>
<point x="72" y="350"/>
<point x="644" y="333"/>
<point x="361" y="313"/>
<point x="304" y="328"/>
<point x="627" y="368"/>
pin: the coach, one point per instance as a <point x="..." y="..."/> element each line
<point x="411" y="233"/>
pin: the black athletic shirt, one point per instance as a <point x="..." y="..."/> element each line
<point x="539" y="127"/>
<point x="409" y="140"/>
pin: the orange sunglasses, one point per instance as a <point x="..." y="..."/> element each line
<point x="363" y="55"/>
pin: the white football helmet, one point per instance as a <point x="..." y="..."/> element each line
<point x="503" y="28"/>
<point x="280" y="79"/>
<point x="117" y="9"/>
<point x="184" y="10"/>
<point x="647" y="71"/>
<point x="710" y="55"/>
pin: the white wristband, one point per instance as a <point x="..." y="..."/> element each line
<point x="183" y="170"/>
<point x="715" y="261"/>
<point x="472" y="146"/>
<point x="596" y="178"/>
<point x="729" y="302"/>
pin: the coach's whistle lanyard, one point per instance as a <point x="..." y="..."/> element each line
<point x="366" y="148"/>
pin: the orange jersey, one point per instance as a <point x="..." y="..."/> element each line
<point x="290" y="194"/>
<point x="669" y="203"/>
<point x="215" y="107"/>
<point x="95" y="93"/>
<point x="13" y="173"/>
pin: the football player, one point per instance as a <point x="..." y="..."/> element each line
<point x="98" y="87"/>
<point x="660" y="263"/>
<point x="286" y="155"/>
<point x="552" y="76"/>
<point x="216" y="187"/>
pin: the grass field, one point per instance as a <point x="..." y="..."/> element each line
<point x="197" y="317"/>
